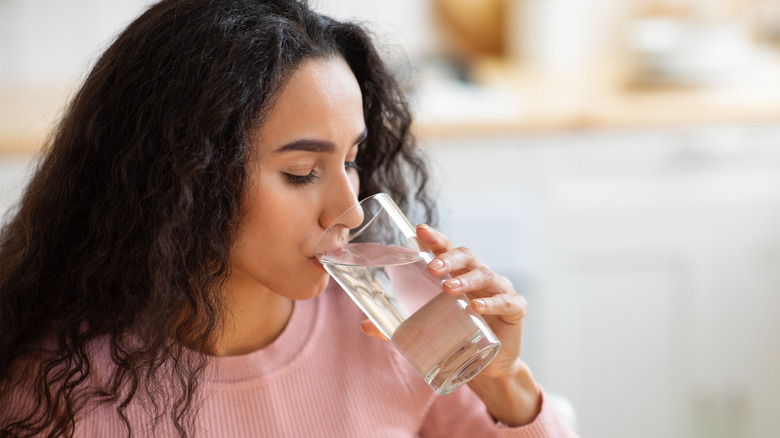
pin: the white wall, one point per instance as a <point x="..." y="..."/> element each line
<point x="55" y="42"/>
<point x="14" y="173"/>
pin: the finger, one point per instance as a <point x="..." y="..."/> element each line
<point x="479" y="282"/>
<point x="435" y="241"/>
<point x="370" y="329"/>
<point x="455" y="261"/>
<point x="512" y="308"/>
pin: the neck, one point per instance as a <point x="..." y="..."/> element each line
<point x="256" y="316"/>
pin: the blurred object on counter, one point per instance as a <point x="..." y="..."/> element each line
<point x="698" y="43"/>
<point x="471" y="28"/>
<point x="450" y="102"/>
<point x="445" y="94"/>
<point x="688" y="51"/>
<point x="554" y="35"/>
<point x="766" y="20"/>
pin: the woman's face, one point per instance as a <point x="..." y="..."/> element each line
<point x="300" y="181"/>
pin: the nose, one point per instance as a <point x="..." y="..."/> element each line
<point x="341" y="206"/>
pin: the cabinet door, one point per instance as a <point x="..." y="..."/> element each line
<point x="658" y="289"/>
<point x="614" y="342"/>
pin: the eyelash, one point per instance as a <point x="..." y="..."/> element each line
<point x="302" y="180"/>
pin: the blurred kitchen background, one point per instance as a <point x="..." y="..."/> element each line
<point x="619" y="160"/>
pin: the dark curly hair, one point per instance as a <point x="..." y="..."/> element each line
<point x="123" y="233"/>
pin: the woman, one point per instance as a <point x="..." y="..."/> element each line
<point x="157" y="278"/>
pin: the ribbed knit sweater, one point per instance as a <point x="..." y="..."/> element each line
<point x="323" y="377"/>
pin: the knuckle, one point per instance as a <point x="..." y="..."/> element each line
<point x="465" y="251"/>
<point x="487" y="273"/>
<point x="505" y="302"/>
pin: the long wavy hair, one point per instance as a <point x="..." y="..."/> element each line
<point x="122" y="235"/>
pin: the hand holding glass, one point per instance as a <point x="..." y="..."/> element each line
<point x="382" y="266"/>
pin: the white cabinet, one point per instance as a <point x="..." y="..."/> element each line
<point x="651" y="262"/>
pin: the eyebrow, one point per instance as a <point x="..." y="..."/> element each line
<point x="311" y="145"/>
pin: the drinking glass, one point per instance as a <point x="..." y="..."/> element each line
<point x="382" y="266"/>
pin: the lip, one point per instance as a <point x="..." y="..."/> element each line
<point x="317" y="264"/>
<point x="336" y="247"/>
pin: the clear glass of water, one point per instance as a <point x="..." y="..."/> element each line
<point x="382" y="266"/>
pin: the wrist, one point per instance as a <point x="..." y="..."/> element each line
<point x="514" y="399"/>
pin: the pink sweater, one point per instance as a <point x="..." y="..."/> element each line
<point x="324" y="378"/>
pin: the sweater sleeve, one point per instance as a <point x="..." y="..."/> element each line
<point x="462" y="414"/>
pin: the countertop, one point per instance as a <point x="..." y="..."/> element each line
<point x="605" y="96"/>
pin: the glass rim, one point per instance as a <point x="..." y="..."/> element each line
<point x="387" y="204"/>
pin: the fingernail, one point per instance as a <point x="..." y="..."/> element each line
<point x="480" y="304"/>
<point x="436" y="264"/>
<point x="424" y="226"/>
<point x="453" y="283"/>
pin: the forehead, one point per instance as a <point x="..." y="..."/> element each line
<point x="321" y="100"/>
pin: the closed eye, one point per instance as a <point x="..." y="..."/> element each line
<point x="301" y="179"/>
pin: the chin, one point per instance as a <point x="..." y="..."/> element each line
<point x="314" y="289"/>
<point x="323" y="284"/>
